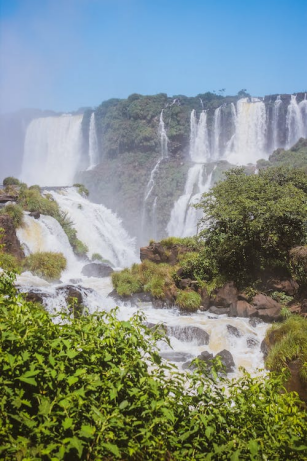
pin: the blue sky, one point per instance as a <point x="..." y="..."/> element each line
<point x="65" y="54"/>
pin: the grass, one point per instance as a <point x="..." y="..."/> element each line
<point x="15" y="212"/>
<point x="188" y="300"/>
<point x="290" y="343"/>
<point x="46" y="264"/>
<point x="9" y="262"/>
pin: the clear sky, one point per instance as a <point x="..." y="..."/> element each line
<point x="66" y="54"/>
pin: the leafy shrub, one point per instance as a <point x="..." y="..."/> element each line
<point x="9" y="262"/>
<point x="82" y="189"/>
<point x="281" y="297"/>
<point x="79" y="247"/>
<point x="125" y="283"/>
<point x="290" y="343"/>
<point x="15" y="212"/>
<point x="188" y="300"/>
<point x="11" y="181"/>
<point x="35" y="187"/>
<point x="32" y="200"/>
<point x="82" y="389"/>
<point x="298" y="263"/>
<point x="46" y="264"/>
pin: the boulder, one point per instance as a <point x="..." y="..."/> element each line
<point x="288" y="286"/>
<point x="295" y="383"/>
<point x="9" y="239"/>
<point x="74" y="297"/>
<point x="135" y="299"/>
<point x="242" y="309"/>
<point x="225" y="297"/>
<point x="267" y="308"/>
<point x="97" y="270"/>
<point x="227" y="360"/>
<point x="173" y="356"/>
<point x="252" y="342"/>
<point x="233" y="331"/>
<point x="35" y="214"/>
<point x="189" y="334"/>
<point x="218" y="310"/>
<point x="206" y="357"/>
<point x="36" y="296"/>
<point x="205" y="299"/>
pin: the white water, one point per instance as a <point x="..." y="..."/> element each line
<point x="249" y="140"/>
<point x="52" y="150"/>
<point x="303" y="109"/>
<point x="98" y="227"/>
<point x="275" y="120"/>
<point x="93" y="151"/>
<point x="184" y="217"/>
<point x="294" y="122"/>
<point x="217" y="131"/>
<point x="199" y="142"/>
<point x="163" y="137"/>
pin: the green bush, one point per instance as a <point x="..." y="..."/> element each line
<point x="95" y="388"/>
<point x="82" y="189"/>
<point x="125" y="283"/>
<point x="32" y="200"/>
<point x="46" y="264"/>
<point x="290" y="343"/>
<point x="79" y="247"/>
<point x="11" y="181"/>
<point x="188" y="300"/>
<point x="9" y="262"/>
<point x="15" y="212"/>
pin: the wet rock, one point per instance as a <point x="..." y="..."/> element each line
<point x="233" y="331"/>
<point x="173" y="356"/>
<point x="74" y="297"/>
<point x="242" y="309"/>
<point x="206" y="356"/>
<point x="97" y="270"/>
<point x="189" y="334"/>
<point x="4" y="198"/>
<point x="268" y="309"/>
<point x="254" y="321"/>
<point x="35" y="214"/>
<point x="36" y="296"/>
<point x="288" y="286"/>
<point x="9" y="239"/>
<point x="134" y="299"/>
<point x="252" y="342"/>
<point x="227" y="360"/>
<point x="295" y="383"/>
<point x="218" y="310"/>
<point x="225" y="297"/>
<point x="205" y="299"/>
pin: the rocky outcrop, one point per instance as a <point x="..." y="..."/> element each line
<point x="158" y="253"/>
<point x="10" y="240"/>
<point x="225" y="357"/>
<point x="189" y="334"/>
<point x="74" y="297"/>
<point x="97" y="270"/>
<point x="225" y="297"/>
<point x="261" y="306"/>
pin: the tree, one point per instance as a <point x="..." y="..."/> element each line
<point x="251" y="222"/>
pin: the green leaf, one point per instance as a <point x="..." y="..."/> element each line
<point x="253" y="447"/>
<point x="87" y="431"/>
<point x="72" y="380"/>
<point x="67" y="423"/>
<point x="123" y="404"/>
<point x="112" y="448"/>
<point x="31" y="381"/>
<point x="71" y="354"/>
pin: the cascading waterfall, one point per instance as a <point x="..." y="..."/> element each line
<point x="275" y="120"/>
<point x="93" y="151"/>
<point x="249" y="141"/>
<point x="217" y="132"/>
<point x="98" y="227"/>
<point x="46" y="234"/>
<point x="294" y="122"/>
<point x="152" y="179"/>
<point x="52" y="151"/>
<point x="303" y="109"/>
<point x="199" y="142"/>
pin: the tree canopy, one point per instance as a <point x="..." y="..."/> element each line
<point x="251" y="222"/>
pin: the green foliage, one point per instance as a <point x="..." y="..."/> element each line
<point x="46" y="264"/>
<point x="251" y="222"/>
<point x="290" y="343"/>
<point x="281" y="297"/>
<point x="35" y="187"/>
<point x="298" y="264"/>
<point x="15" y="212"/>
<point x="188" y="300"/>
<point x="95" y="388"/>
<point x="11" y="181"/>
<point x="190" y="242"/>
<point x="294" y="158"/>
<point x="32" y="200"/>
<point x="125" y="282"/>
<point x="9" y="262"/>
<point x="79" y="247"/>
<point x="82" y="189"/>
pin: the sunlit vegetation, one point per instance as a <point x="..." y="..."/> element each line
<point x="15" y="212"/>
<point x="94" y="387"/>
<point x="45" y="264"/>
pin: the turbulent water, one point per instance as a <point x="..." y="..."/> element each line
<point x="93" y="152"/>
<point x="52" y="152"/>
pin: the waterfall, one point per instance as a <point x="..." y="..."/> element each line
<point x="217" y="126"/>
<point x="52" y="150"/>
<point x="163" y="137"/>
<point x="275" y="120"/>
<point x="249" y="140"/>
<point x="46" y="234"/>
<point x="93" y="151"/>
<point x="184" y="218"/>
<point x="97" y="227"/>
<point x="303" y="109"/>
<point x="199" y="142"/>
<point x="294" y="122"/>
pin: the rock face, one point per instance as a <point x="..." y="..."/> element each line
<point x="225" y="297"/>
<point x="157" y="253"/>
<point x="261" y="306"/>
<point x="10" y="240"/>
<point x="74" y="297"/>
<point x="189" y="334"/>
<point x="97" y="270"/>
